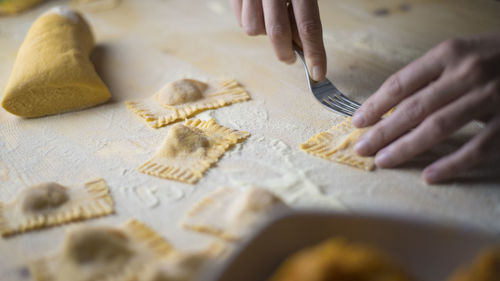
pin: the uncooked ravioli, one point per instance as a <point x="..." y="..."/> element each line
<point x="51" y="204"/>
<point x="90" y="253"/>
<point x="183" y="98"/>
<point x="337" y="144"/>
<point x="190" y="149"/>
<point x="230" y="213"/>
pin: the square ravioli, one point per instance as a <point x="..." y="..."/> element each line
<point x="183" y="98"/>
<point x="230" y="214"/>
<point x="190" y="149"/>
<point x="50" y="204"/>
<point x="337" y="144"/>
<point x="91" y="253"/>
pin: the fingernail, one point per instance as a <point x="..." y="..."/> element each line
<point x="361" y="147"/>
<point x="358" y="119"/>
<point x="383" y="158"/>
<point x="316" y="72"/>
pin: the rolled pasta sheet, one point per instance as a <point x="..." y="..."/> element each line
<point x="52" y="73"/>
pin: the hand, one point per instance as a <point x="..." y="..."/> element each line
<point x="282" y="25"/>
<point x="437" y="94"/>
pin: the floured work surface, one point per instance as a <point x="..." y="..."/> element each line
<point x="142" y="45"/>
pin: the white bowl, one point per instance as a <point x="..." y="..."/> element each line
<point x="428" y="250"/>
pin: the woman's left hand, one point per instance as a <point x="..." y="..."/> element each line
<point x="454" y="83"/>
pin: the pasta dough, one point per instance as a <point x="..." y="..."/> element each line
<point x="230" y="213"/>
<point x="337" y="260"/>
<point x="52" y="73"/>
<point x="486" y="267"/>
<point x="183" y="98"/>
<point x="189" y="149"/>
<point x="92" y="253"/>
<point x="51" y="204"/>
<point x="180" y="266"/>
<point x="11" y="7"/>
<point x="337" y="144"/>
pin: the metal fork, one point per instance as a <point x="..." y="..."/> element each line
<point x="326" y="93"/>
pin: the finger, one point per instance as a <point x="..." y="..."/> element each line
<point x="293" y="26"/>
<point x="237" y="10"/>
<point x="308" y="21"/>
<point x="411" y="112"/>
<point x="252" y="17"/>
<point x="478" y="149"/>
<point x="400" y="85"/>
<point x="435" y="128"/>
<point x="278" y="29"/>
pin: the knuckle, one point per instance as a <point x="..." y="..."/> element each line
<point x="472" y="68"/>
<point x="414" y="110"/>
<point x="310" y="28"/>
<point x="437" y="126"/>
<point x="369" y="109"/>
<point x="477" y="152"/>
<point x="394" y="86"/>
<point x="405" y="149"/>
<point x="493" y="93"/>
<point x="452" y="167"/>
<point x="451" y="47"/>
<point x="277" y="32"/>
<point x="379" y="135"/>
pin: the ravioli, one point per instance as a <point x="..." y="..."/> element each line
<point x="190" y="149"/>
<point x="50" y="204"/>
<point x="183" y="98"/>
<point x="52" y="73"/>
<point x="92" y="253"/>
<point x="337" y="144"/>
<point x="179" y="266"/>
<point x="336" y="259"/>
<point x="230" y="214"/>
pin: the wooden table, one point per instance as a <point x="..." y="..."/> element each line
<point x="144" y="44"/>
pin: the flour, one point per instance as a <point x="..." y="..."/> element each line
<point x="110" y="142"/>
<point x="65" y="12"/>
<point x="217" y="7"/>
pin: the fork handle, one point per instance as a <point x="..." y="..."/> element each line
<point x="300" y="53"/>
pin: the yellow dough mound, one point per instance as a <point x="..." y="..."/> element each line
<point x="336" y="260"/>
<point x="486" y="267"/>
<point x="53" y="73"/>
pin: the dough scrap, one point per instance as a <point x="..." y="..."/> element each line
<point x="183" y="98"/>
<point x="230" y="214"/>
<point x="485" y="267"/>
<point x="190" y="149"/>
<point x="103" y="253"/>
<point x="51" y="204"/>
<point x="12" y="7"/>
<point x="335" y="259"/>
<point x="52" y="73"/>
<point x="337" y="144"/>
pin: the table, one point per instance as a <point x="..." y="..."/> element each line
<point x="145" y="44"/>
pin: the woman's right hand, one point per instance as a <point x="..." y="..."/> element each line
<point x="283" y="25"/>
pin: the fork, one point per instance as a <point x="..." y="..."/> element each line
<point x="326" y="93"/>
